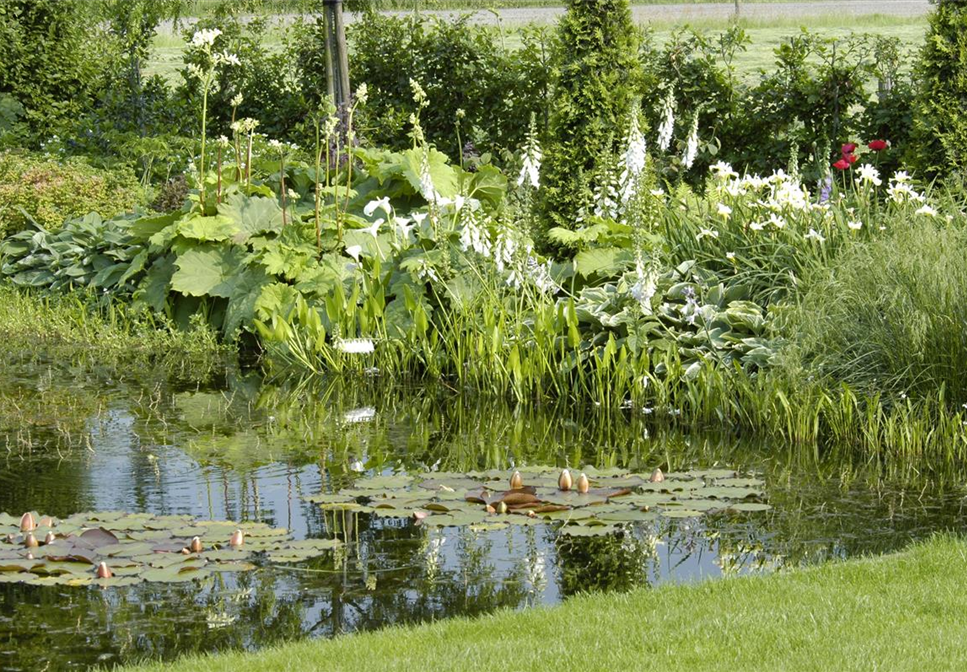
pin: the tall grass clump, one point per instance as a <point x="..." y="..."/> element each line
<point x="890" y="315"/>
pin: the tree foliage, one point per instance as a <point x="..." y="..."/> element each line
<point x="598" y="72"/>
<point x="941" y="109"/>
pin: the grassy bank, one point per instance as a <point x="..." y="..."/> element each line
<point x="905" y="611"/>
<point x="75" y="325"/>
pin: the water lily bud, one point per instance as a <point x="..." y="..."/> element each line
<point x="30" y="556"/>
<point x="583" y="484"/>
<point x="491" y="509"/>
<point x="420" y="515"/>
<point x="185" y="551"/>
<point x="565" y="482"/>
<point x="196" y="546"/>
<point x="11" y="539"/>
<point x="516" y="481"/>
<point x="237" y="539"/>
<point x="46" y="521"/>
<point x="531" y="514"/>
<point x="657" y="476"/>
<point x="104" y="572"/>
<point x="50" y="538"/>
<point x="30" y="541"/>
<point x="27" y="523"/>
<point x="502" y="508"/>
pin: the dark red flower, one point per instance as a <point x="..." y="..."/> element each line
<point x="842" y="164"/>
<point x="878" y="145"/>
<point x="849" y="148"/>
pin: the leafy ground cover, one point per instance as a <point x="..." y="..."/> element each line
<point x="903" y="611"/>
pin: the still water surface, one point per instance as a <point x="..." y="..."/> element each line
<point x="75" y="438"/>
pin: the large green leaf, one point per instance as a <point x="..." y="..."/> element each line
<point x="443" y="176"/>
<point x="208" y="271"/>
<point x="241" y="304"/>
<point x="252" y="215"/>
<point x="205" y="229"/>
<point x="602" y="261"/>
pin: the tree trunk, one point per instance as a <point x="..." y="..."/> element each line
<point x="337" y="55"/>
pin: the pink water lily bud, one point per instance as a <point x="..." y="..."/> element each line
<point x="516" y="481"/>
<point x="30" y="541"/>
<point x="657" y="476"/>
<point x="565" y="482"/>
<point x="237" y="539"/>
<point x="50" y="538"/>
<point x="46" y="521"/>
<point x="104" y="572"/>
<point x="196" y="545"/>
<point x="583" y="484"/>
<point x="27" y="523"/>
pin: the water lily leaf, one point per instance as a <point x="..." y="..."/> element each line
<point x="232" y="567"/>
<point x="738" y="483"/>
<point x="632" y="516"/>
<point x="681" y="513"/>
<point x="326" y="498"/>
<point x="489" y="527"/>
<point x="749" y="506"/>
<point x="174" y="574"/>
<point x="19" y="577"/>
<point x="710" y="474"/>
<point x="716" y="492"/>
<point x="390" y="482"/>
<point x="60" y="580"/>
<point x="98" y="538"/>
<point x="225" y="555"/>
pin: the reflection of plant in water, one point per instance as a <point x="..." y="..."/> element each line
<point x="611" y="562"/>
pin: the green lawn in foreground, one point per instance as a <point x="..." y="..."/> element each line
<point x="900" y="612"/>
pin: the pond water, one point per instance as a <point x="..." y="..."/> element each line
<point x="74" y="437"/>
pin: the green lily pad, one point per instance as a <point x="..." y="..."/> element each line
<point x="749" y="506"/>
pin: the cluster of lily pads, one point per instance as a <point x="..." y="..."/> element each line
<point x="596" y="502"/>
<point x="121" y="549"/>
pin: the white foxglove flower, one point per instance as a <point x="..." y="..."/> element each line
<point x="531" y="170"/>
<point x="667" y="128"/>
<point x="691" y="146"/>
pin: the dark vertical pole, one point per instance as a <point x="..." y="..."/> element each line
<point x="737" y="9"/>
<point x="337" y="55"/>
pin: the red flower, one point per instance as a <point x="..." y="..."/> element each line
<point x="851" y="158"/>
<point x="842" y="164"/>
<point x="849" y="148"/>
<point x="878" y="145"/>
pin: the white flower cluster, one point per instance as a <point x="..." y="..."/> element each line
<point x="531" y="170"/>
<point x="205" y="38"/>
<point x="667" y="127"/>
<point x="901" y="191"/>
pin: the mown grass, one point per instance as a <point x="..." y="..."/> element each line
<point x="765" y="35"/>
<point x="900" y="612"/>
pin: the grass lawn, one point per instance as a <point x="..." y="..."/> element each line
<point x="766" y="35"/>
<point x="900" y="612"/>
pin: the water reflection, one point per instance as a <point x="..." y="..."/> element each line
<point x="78" y="439"/>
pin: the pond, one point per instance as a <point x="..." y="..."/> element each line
<point x="78" y="438"/>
